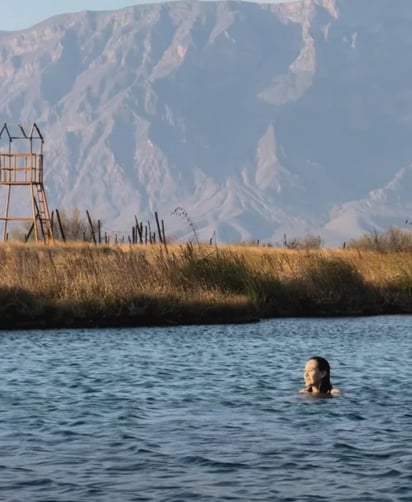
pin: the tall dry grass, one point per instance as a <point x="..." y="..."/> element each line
<point x="83" y="285"/>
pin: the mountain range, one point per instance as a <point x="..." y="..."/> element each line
<point x="257" y="121"/>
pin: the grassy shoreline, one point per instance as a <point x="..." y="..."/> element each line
<point x="79" y="285"/>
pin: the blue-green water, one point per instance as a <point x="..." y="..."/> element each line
<point x="207" y="413"/>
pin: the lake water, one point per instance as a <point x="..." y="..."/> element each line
<point x="207" y="413"/>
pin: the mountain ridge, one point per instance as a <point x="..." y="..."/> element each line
<point x="260" y="120"/>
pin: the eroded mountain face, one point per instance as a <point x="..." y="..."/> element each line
<point x="258" y="119"/>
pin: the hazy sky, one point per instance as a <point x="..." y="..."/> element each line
<point x="18" y="14"/>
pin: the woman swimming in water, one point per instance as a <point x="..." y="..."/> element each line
<point x="317" y="378"/>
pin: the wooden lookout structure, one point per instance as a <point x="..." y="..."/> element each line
<point x="21" y="170"/>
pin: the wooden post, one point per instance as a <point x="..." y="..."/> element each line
<point x="163" y="233"/>
<point x="91" y="227"/>
<point x="27" y="236"/>
<point x="140" y="230"/>
<point x="158" y="227"/>
<point x="59" y="221"/>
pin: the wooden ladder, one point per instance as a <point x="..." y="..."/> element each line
<point x="42" y="213"/>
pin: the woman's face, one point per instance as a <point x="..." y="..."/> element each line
<point x="312" y="374"/>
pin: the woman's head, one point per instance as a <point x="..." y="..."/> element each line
<point x="317" y="375"/>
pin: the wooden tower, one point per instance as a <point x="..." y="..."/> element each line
<point x="21" y="169"/>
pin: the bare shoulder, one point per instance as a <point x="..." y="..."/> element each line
<point x="335" y="391"/>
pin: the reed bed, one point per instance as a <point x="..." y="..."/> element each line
<point x="73" y="285"/>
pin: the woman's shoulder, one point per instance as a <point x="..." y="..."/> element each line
<point x="333" y="392"/>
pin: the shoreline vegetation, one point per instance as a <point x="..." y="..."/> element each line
<point x="74" y="285"/>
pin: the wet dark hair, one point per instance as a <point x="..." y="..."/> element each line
<point x="323" y="365"/>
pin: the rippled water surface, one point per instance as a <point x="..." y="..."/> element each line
<point x="207" y="413"/>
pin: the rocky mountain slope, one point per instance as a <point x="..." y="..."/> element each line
<point x="258" y="119"/>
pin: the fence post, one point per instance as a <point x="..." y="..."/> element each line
<point x="158" y="227"/>
<point x="59" y="221"/>
<point x="91" y="227"/>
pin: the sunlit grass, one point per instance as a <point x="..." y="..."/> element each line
<point x="80" y="284"/>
